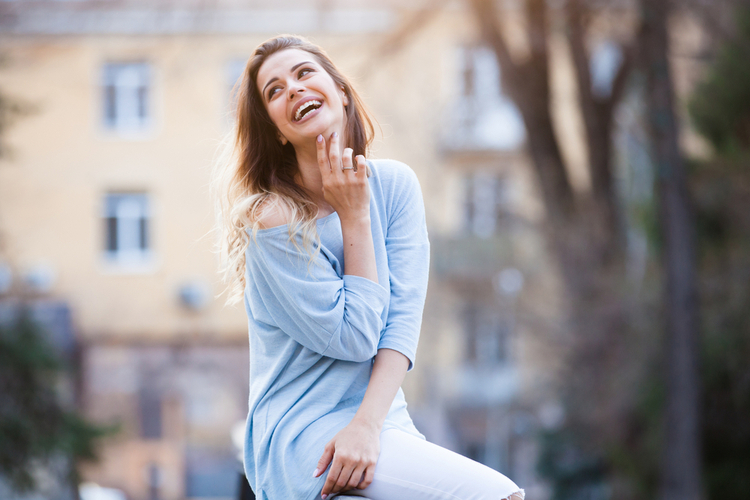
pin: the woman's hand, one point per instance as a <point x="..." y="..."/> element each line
<point x="345" y="185"/>
<point x="352" y="453"/>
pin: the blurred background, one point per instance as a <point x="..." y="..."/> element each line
<point x="584" y="165"/>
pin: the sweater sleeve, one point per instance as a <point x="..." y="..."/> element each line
<point x="335" y="316"/>
<point x="408" y="251"/>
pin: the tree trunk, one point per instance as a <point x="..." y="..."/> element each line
<point x="597" y="114"/>
<point x="582" y="231"/>
<point x="681" y="470"/>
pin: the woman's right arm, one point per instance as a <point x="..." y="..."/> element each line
<point x="354" y="450"/>
<point x="348" y="192"/>
<point x="334" y="315"/>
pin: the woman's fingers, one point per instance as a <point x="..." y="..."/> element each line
<point x="338" y="477"/>
<point x="344" y="478"/>
<point x="369" y="476"/>
<point x="331" y="479"/>
<point x="346" y="160"/>
<point x="329" y="157"/>
<point x="344" y="185"/>
<point x="346" y="473"/>
<point x="325" y="167"/>
<point x="361" y="166"/>
<point x="325" y="460"/>
<point x="334" y="154"/>
<point x="356" y="477"/>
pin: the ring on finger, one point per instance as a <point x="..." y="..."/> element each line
<point x="347" y="168"/>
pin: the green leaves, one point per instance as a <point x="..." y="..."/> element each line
<point x="35" y="425"/>
<point x="720" y="106"/>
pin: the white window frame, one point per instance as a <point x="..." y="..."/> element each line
<point x="127" y="221"/>
<point x="127" y="97"/>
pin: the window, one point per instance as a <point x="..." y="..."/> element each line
<point x="480" y="75"/>
<point x="483" y="118"/>
<point x="486" y="203"/>
<point x="126" y="228"/>
<point x="486" y="335"/>
<point x="126" y="96"/>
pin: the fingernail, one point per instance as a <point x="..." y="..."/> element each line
<point x="323" y="496"/>
<point x="315" y="474"/>
<point x="335" y="135"/>
<point x="320" y="138"/>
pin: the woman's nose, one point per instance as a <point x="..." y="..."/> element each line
<point x="295" y="89"/>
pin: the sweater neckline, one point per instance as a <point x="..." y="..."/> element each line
<point x="276" y="229"/>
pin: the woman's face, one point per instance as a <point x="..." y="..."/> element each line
<point x="301" y="98"/>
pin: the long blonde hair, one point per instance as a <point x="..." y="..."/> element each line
<point x="255" y="170"/>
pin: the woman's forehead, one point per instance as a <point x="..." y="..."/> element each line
<point x="281" y="63"/>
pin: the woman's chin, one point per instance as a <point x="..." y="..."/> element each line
<point x="313" y="132"/>
<point x="316" y="128"/>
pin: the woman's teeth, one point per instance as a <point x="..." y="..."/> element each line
<point x="303" y="109"/>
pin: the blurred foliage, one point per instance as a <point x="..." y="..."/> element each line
<point x="35" y="426"/>
<point x="720" y="106"/>
<point x="576" y="470"/>
<point x="11" y="108"/>
<point x="615" y="459"/>
<point x="581" y="461"/>
<point x="722" y="193"/>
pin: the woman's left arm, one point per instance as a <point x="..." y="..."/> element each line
<point x="408" y="249"/>
<point x="354" y="451"/>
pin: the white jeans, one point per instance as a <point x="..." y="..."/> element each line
<point x="410" y="468"/>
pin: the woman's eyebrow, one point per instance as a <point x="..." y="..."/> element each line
<point x="276" y="78"/>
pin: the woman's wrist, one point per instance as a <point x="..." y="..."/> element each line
<point x="355" y="220"/>
<point x="366" y="420"/>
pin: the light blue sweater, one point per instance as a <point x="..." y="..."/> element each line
<point x="314" y="332"/>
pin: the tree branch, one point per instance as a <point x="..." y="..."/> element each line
<point x="527" y="84"/>
<point x="621" y="78"/>
<point x="486" y="16"/>
<point x="536" y="12"/>
<point x="579" y="52"/>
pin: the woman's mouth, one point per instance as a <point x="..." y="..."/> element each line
<point x="306" y="108"/>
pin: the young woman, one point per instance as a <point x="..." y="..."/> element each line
<point x="330" y="252"/>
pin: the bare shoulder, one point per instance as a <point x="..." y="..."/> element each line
<point x="273" y="213"/>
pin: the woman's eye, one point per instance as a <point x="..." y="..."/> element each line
<point x="273" y="91"/>
<point x="303" y="72"/>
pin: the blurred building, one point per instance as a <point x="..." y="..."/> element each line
<point x="106" y="192"/>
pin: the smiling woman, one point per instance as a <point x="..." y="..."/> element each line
<point x="329" y="251"/>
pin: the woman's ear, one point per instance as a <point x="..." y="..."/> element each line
<point x="282" y="139"/>
<point x="345" y="98"/>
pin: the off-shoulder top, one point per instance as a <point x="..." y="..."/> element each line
<point x="314" y="331"/>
